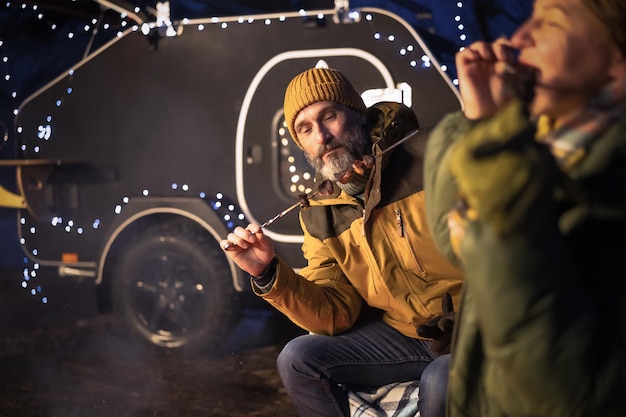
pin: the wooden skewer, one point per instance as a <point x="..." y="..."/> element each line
<point x="231" y="246"/>
<point x="288" y="209"/>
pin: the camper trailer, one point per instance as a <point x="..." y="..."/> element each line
<point x="138" y="159"/>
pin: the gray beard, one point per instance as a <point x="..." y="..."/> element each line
<point x="354" y="141"/>
<point x="337" y="166"/>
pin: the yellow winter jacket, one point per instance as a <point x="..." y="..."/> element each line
<point x="376" y="251"/>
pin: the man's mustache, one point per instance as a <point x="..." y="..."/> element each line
<point x="327" y="148"/>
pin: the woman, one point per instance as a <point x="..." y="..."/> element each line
<point x="526" y="190"/>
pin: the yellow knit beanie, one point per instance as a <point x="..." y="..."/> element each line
<point x="318" y="84"/>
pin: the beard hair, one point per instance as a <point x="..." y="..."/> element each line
<point x="354" y="141"/>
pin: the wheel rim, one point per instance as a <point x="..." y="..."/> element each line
<point x="169" y="297"/>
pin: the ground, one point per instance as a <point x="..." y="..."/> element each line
<point x="64" y="360"/>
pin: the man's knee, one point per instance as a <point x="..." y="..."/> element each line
<point x="297" y="355"/>
<point x="436" y="373"/>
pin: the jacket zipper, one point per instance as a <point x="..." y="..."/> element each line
<point x="400" y="230"/>
<point x="399" y="223"/>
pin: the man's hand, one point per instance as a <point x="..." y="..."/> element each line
<point x="439" y="328"/>
<point x="249" y="248"/>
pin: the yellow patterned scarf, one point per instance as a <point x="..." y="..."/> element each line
<point x="569" y="141"/>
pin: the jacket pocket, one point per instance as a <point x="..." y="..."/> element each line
<point x="405" y="237"/>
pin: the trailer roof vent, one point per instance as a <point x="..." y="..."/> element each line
<point x="343" y="14"/>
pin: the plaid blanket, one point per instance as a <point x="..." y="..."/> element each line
<point x="394" y="400"/>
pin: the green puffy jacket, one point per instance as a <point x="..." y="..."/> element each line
<point x="376" y="252"/>
<point x="542" y="326"/>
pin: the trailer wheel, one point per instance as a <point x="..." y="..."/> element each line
<point x="173" y="287"/>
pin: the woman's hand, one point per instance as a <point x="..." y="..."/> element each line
<point x="480" y="67"/>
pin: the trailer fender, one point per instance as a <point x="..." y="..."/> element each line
<point x="194" y="209"/>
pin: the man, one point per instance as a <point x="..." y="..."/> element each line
<point x="541" y="219"/>
<point x="367" y="247"/>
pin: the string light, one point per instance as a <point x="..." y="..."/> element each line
<point x="462" y="35"/>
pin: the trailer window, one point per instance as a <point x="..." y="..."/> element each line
<point x="295" y="175"/>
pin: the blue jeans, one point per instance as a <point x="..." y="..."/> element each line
<point x="433" y="388"/>
<point x="317" y="371"/>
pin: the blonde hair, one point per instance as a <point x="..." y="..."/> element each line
<point x="612" y="14"/>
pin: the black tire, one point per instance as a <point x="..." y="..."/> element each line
<point x="172" y="286"/>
